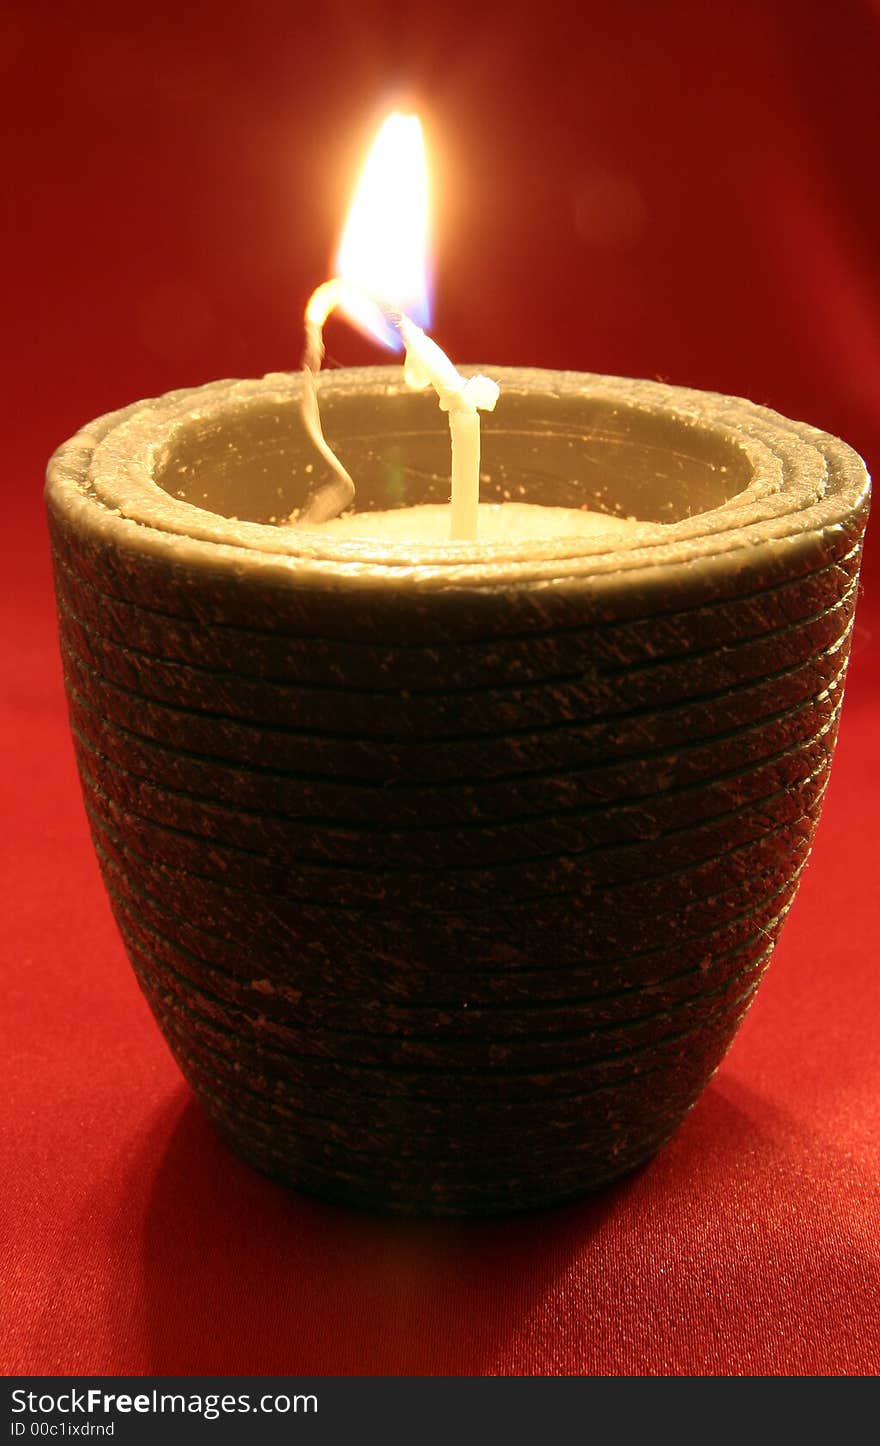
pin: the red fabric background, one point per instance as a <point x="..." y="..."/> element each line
<point x="679" y="190"/>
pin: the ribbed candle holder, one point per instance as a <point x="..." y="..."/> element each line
<point x="449" y="873"/>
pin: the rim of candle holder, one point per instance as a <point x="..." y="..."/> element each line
<point x="803" y="482"/>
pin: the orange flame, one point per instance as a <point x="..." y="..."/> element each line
<point x="383" y="251"/>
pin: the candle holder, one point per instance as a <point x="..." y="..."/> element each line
<point x="449" y="873"/>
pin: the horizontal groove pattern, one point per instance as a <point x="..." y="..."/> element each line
<point x="484" y="708"/>
<point x="485" y="1089"/>
<point x="198" y="952"/>
<point x="570" y="830"/>
<point x="641" y="864"/>
<point x="401" y="960"/>
<point x="478" y="1047"/>
<point x="211" y="734"/>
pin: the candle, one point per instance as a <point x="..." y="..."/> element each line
<point x="449" y="866"/>
<point x="449" y="870"/>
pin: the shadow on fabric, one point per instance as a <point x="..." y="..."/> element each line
<point x="241" y="1275"/>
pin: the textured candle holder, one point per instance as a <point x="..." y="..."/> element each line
<point x="449" y="874"/>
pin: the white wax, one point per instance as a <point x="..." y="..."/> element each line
<point x="507" y="522"/>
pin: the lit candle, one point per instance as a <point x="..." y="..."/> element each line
<point x="449" y="871"/>
<point x="382" y="270"/>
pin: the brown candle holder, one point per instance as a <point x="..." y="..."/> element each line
<point x="449" y="874"/>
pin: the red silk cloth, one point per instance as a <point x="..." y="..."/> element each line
<point x="678" y="190"/>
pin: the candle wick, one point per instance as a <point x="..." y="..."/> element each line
<point x="462" y="399"/>
<point x="332" y="499"/>
<point x="425" y="365"/>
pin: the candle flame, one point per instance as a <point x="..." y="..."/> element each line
<point x="383" y="252"/>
